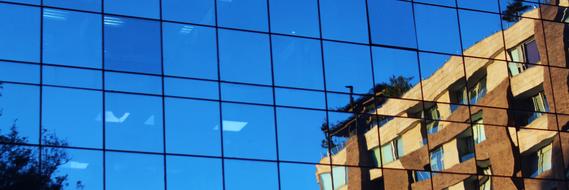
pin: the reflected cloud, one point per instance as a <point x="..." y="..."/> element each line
<point x="232" y="126"/>
<point x="111" y="118"/>
<point x="76" y="165"/>
<point x="113" y="21"/>
<point x="54" y="14"/>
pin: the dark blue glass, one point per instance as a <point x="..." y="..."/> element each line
<point x="295" y="17"/>
<point x="300" y="98"/>
<point x="85" y="5"/>
<point x="189" y="51"/>
<point x="194" y="173"/>
<point x="134" y="171"/>
<point x="392" y="66"/>
<point x="244" y="57"/>
<point x="195" y="11"/>
<point x="192" y="127"/>
<point x="191" y="88"/>
<point x="20" y="33"/>
<point x="73" y="115"/>
<point x="132" y="45"/>
<point x="307" y="145"/>
<point x="72" y="38"/>
<point x="18" y="72"/>
<point x="133" y="122"/>
<point x="240" y="174"/>
<point x="450" y="3"/>
<point x="299" y="176"/>
<point x="138" y="8"/>
<point x="483" y="5"/>
<point x="344" y="20"/>
<point x="297" y="62"/>
<point x="20" y="110"/>
<point x="347" y="65"/>
<point x="133" y="83"/>
<point x="392" y="23"/>
<point x="437" y="29"/>
<point x="33" y="2"/>
<point x="246" y="93"/>
<point x="248" y="131"/>
<point x="83" y="170"/>
<point x="72" y="77"/>
<point x="243" y="14"/>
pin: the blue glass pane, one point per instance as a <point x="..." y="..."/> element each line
<point x="187" y="88"/>
<point x="344" y="20"/>
<point x="18" y="72"/>
<point x="86" y="5"/>
<point x="476" y="27"/>
<point x="248" y="131"/>
<point x="450" y="3"/>
<point x="347" y="65"/>
<point x="84" y="169"/>
<point x="297" y="62"/>
<point x="73" y="115"/>
<point x="300" y="98"/>
<point x="298" y="176"/>
<point x="72" y="77"/>
<point x="72" y="38"/>
<point x="189" y="51"/>
<point x="20" y="33"/>
<point x="134" y="171"/>
<point x="246" y="174"/>
<point x="132" y="45"/>
<point x="437" y="29"/>
<point x="20" y="105"/>
<point x="192" y="127"/>
<point x="392" y="66"/>
<point x="196" y="11"/>
<point x="133" y="83"/>
<point x="194" y="173"/>
<point x="33" y="2"/>
<point x="244" y="57"/>
<point x="392" y="23"/>
<point x="300" y="135"/>
<point x="133" y="122"/>
<point x="246" y="93"/>
<point x="138" y="8"/>
<point x="243" y="14"/>
<point x="484" y="5"/>
<point x="295" y="17"/>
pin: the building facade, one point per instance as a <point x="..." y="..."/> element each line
<point x="284" y="94"/>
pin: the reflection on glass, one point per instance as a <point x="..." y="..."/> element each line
<point x="483" y="29"/>
<point x="392" y="23"/>
<point x="187" y="88"/>
<point x="246" y="174"/>
<point x="85" y="5"/>
<point x="71" y="77"/>
<point x="138" y="8"/>
<point x="246" y="93"/>
<point x="17" y="72"/>
<point x="437" y="29"/>
<point x="306" y="146"/>
<point x="20" y="34"/>
<point x="194" y="173"/>
<point x="197" y="11"/>
<point x="344" y="20"/>
<point x="19" y="105"/>
<point x="249" y="15"/>
<point x="147" y="84"/>
<point x="134" y="171"/>
<point x="297" y="62"/>
<point x="83" y="169"/>
<point x="395" y="71"/>
<point x="299" y="176"/>
<point x="347" y="65"/>
<point x="304" y="21"/>
<point x="300" y="98"/>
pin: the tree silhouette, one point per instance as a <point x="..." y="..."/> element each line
<point x="514" y="10"/>
<point x="20" y="168"/>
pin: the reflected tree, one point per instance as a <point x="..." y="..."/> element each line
<point x="514" y="10"/>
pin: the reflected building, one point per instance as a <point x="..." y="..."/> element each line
<point x="487" y="121"/>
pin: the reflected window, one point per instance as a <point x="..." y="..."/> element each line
<point x="540" y="104"/>
<point x="465" y="145"/>
<point x="437" y="159"/>
<point x="392" y="23"/>
<point x="72" y="38"/>
<point x="192" y="127"/>
<point x="133" y="122"/>
<point x="304" y="21"/>
<point x="85" y="5"/>
<point x="127" y="52"/>
<point x="538" y="162"/>
<point x="297" y="62"/>
<point x="134" y="171"/>
<point x="392" y="151"/>
<point x="248" y="131"/>
<point x="301" y="135"/>
<point x="521" y="55"/>
<point x="344" y="20"/>
<point x="20" y="34"/>
<point x="477" y="91"/>
<point x="432" y="117"/>
<point x="137" y="8"/>
<point x="19" y="105"/>
<point x="249" y="15"/>
<point x="326" y="181"/>
<point x="189" y="51"/>
<point x="194" y="173"/>
<point x="340" y="177"/>
<point x="241" y="174"/>
<point x="478" y="128"/>
<point x="83" y="169"/>
<point x="244" y="57"/>
<point x="18" y="72"/>
<point x="437" y="29"/>
<point x="419" y="176"/>
<point x="73" y="115"/>
<point x="196" y="11"/>
<point x="347" y="65"/>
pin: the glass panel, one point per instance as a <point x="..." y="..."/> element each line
<point x="297" y="62"/>
<point x="133" y="83"/>
<point x="71" y="77"/>
<point x="20" y="34"/>
<point x="481" y="34"/>
<point x="396" y="72"/>
<point x="33" y="2"/>
<point x="194" y="173"/>
<point x="244" y="57"/>
<point x="197" y="11"/>
<point x="437" y="29"/>
<point x="450" y="3"/>
<point x="246" y="174"/>
<point x="437" y="160"/>
<point x="249" y="15"/>
<point x="192" y="127"/>
<point x="134" y="171"/>
<point x="387" y="153"/>
<point x="392" y="23"/>
<point x="72" y="38"/>
<point x="434" y="69"/>
<point x="532" y="52"/>
<point x="18" y="72"/>
<point x="133" y="122"/>
<point x="340" y="176"/>
<point x="85" y="5"/>
<point x="127" y="52"/>
<point x="304" y="21"/>
<point x="301" y="135"/>
<point x="326" y="181"/>
<point x="347" y="65"/>
<point x="344" y="20"/>
<point x="246" y="93"/>
<point x="19" y="105"/>
<point x="138" y="8"/>
<point x="191" y="88"/>
<point x="248" y="131"/>
<point x="73" y="115"/>
<point x="483" y="5"/>
<point x="301" y="176"/>
<point x="300" y="98"/>
<point x="189" y="51"/>
<point x="83" y="169"/>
